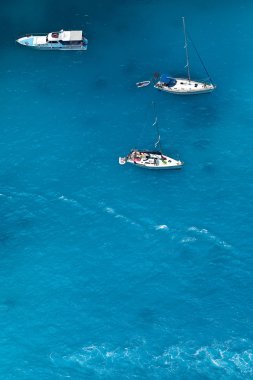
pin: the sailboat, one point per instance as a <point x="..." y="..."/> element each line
<point x="185" y="86"/>
<point x="151" y="159"/>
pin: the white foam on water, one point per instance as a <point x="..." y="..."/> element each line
<point x="110" y="354"/>
<point x="143" y="223"/>
<point x="111" y="211"/>
<point x="188" y="239"/>
<point x="209" y="236"/>
<point x="72" y="202"/>
<point x="225" y="356"/>
<point x="69" y="200"/>
<point x="6" y="196"/>
<point x="162" y="227"/>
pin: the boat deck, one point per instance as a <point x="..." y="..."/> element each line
<point x="185" y="87"/>
<point x="151" y="160"/>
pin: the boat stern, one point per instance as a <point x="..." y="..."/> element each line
<point x="85" y="43"/>
<point x="165" y="83"/>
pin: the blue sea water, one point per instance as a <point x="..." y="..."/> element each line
<point x="109" y="271"/>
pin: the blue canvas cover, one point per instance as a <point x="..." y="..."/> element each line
<point x="170" y="82"/>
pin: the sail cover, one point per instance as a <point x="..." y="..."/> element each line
<point x="170" y="82"/>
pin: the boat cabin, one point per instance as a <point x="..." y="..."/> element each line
<point x="65" y="37"/>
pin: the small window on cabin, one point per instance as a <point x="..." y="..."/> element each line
<point x="196" y="85"/>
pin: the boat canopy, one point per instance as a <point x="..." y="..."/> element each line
<point x="73" y="35"/>
<point x="53" y="36"/>
<point x="170" y="82"/>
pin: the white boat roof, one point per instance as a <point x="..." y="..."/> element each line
<point x="73" y="35"/>
<point x="40" y="40"/>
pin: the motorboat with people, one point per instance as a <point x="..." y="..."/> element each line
<point x="62" y="40"/>
<point x="185" y="86"/>
<point x="151" y="159"/>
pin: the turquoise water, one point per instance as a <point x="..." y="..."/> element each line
<point x="109" y="271"/>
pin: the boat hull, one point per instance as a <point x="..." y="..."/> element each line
<point x="59" y="48"/>
<point x="39" y="42"/>
<point x="185" y="87"/>
<point x="143" y="84"/>
<point x="157" y="167"/>
<point x="151" y="160"/>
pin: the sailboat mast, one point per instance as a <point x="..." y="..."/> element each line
<point x="186" y="51"/>
<point x="155" y="124"/>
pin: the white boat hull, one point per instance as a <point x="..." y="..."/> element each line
<point x="59" y="48"/>
<point x="165" y="167"/>
<point x="185" y="87"/>
<point x="151" y="160"/>
<point x="143" y="84"/>
<point x="42" y="43"/>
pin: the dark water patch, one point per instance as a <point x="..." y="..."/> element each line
<point x="45" y="89"/>
<point x="121" y="28"/>
<point x="209" y="168"/>
<point x="4" y="238"/>
<point x="129" y="68"/>
<point x="25" y="222"/>
<point x="201" y="144"/>
<point x="64" y="13"/>
<point x="92" y="120"/>
<point x="196" y="117"/>
<point x="147" y="316"/>
<point x="207" y="6"/>
<point x="100" y="84"/>
<point x="8" y="303"/>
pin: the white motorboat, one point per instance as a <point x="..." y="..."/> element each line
<point x="150" y="159"/>
<point x="185" y="86"/>
<point x="63" y="40"/>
